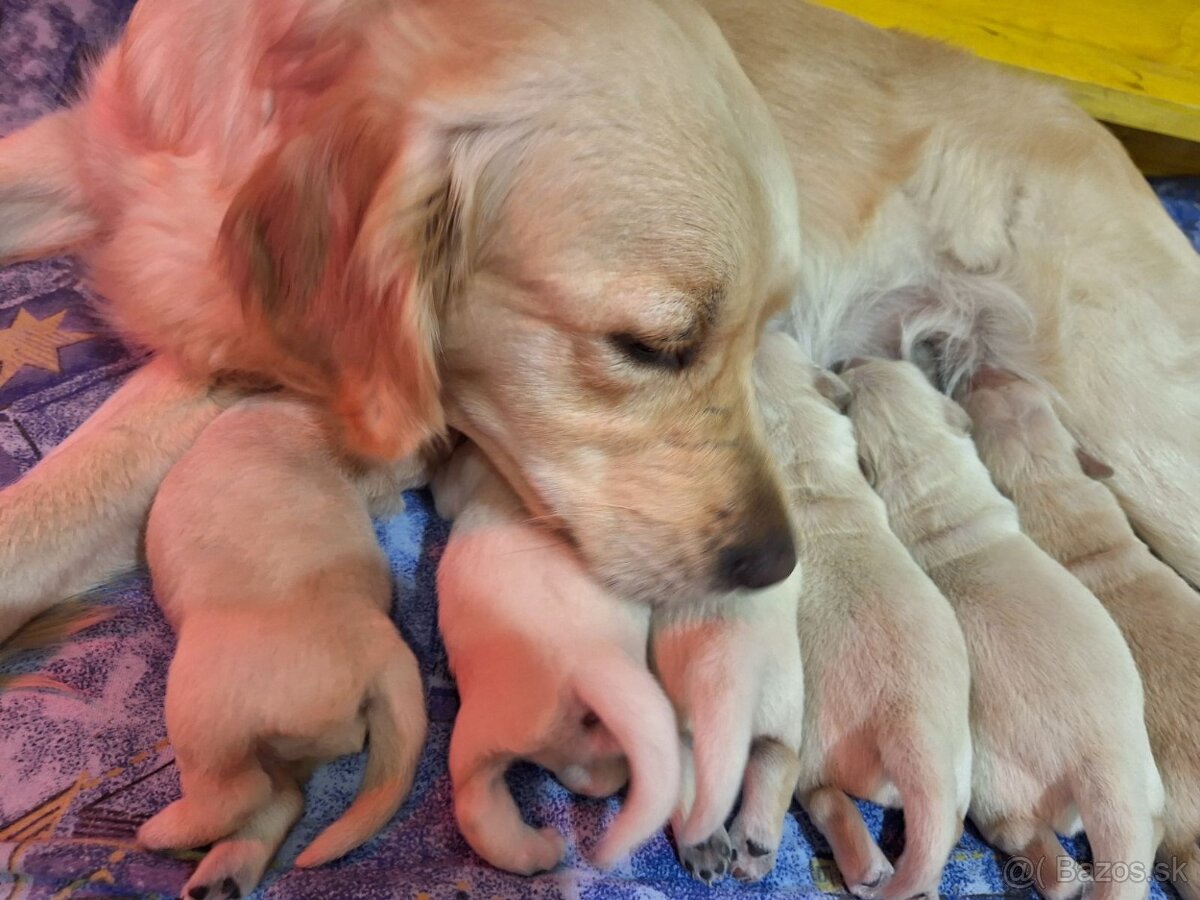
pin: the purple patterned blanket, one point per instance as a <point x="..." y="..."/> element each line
<point x="80" y="769"/>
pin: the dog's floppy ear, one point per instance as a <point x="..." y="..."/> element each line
<point x="328" y="244"/>
<point x="1092" y="467"/>
<point x="832" y="388"/>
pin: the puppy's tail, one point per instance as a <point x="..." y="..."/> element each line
<point x="925" y="774"/>
<point x="630" y="703"/>
<point x="721" y="700"/>
<point x="396" y="724"/>
<point x="1121" y="820"/>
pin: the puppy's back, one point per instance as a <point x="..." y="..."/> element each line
<point x="1029" y="623"/>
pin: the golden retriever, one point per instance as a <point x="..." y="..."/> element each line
<point x="550" y="668"/>
<point x="886" y="712"/>
<point x="557" y="227"/>
<point x="286" y="656"/>
<point x="1064" y="507"/>
<point x="943" y="198"/>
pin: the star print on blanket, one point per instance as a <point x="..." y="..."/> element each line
<point x="34" y="342"/>
<point x="81" y="769"/>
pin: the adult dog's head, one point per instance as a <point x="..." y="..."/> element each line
<point x="558" y="227"/>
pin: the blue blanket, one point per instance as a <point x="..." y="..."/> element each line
<point x="79" y="770"/>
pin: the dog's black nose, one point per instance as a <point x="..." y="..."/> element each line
<point x="758" y="564"/>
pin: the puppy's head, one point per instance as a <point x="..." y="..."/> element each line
<point x="802" y="407"/>
<point x="561" y="232"/>
<point x="900" y="419"/>
<point x="1018" y="435"/>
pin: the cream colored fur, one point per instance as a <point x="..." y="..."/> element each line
<point x="286" y="655"/>
<point x="1074" y="518"/>
<point x="537" y="647"/>
<point x="515" y="220"/>
<point x="76" y="519"/>
<point x="732" y="668"/>
<point x="944" y="198"/>
<point x="940" y="199"/>
<point x="885" y="666"/>
<point x="1057" y="718"/>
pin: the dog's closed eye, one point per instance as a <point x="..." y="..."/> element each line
<point x="671" y="357"/>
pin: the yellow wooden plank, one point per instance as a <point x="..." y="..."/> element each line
<point x="1145" y="113"/>
<point x="1136" y="62"/>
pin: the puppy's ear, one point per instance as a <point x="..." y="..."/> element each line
<point x="1092" y="467"/>
<point x="957" y="417"/>
<point x="868" y="470"/>
<point x="833" y="389"/>
<point x="327" y="244"/>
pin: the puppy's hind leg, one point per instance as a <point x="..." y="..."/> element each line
<point x="1037" y="856"/>
<point x="213" y="806"/>
<point x="864" y="868"/>
<point x="486" y="812"/>
<point x="766" y="794"/>
<point x="76" y="518"/>
<point x="235" y="865"/>
<point x="709" y="860"/>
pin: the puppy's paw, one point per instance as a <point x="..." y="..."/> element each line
<point x="231" y="870"/>
<point x="869" y="883"/>
<point x="752" y="859"/>
<point x="541" y="852"/>
<point x="1069" y="881"/>
<point x="710" y="860"/>
<point x="225" y="889"/>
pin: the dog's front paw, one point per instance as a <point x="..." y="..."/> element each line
<point x="753" y="855"/>
<point x="710" y="860"/>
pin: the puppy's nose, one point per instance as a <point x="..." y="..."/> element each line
<point x="758" y="564"/>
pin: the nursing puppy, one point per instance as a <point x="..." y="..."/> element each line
<point x="286" y="655"/>
<point x="732" y="668"/>
<point x="550" y="668"/>
<point x="886" y="672"/>
<point x="1056" y="703"/>
<point x="1072" y="516"/>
